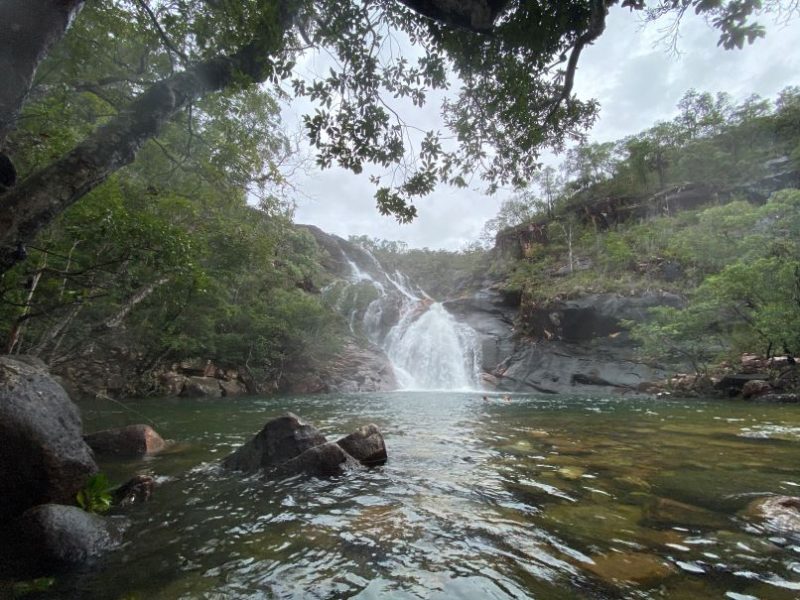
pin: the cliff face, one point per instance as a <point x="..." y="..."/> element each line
<point x="604" y="212"/>
<point x="577" y="346"/>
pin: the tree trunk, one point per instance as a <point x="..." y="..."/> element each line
<point x="139" y="296"/>
<point x="32" y="204"/>
<point x="16" y="330"/>
<point x="28" y="30"/>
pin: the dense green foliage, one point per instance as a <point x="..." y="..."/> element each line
<point x="166" y="260"/>
<point x="515" y="63"/>
<point x="618" y="224"/>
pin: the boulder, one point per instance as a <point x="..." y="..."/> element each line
<point x="323" y="460"/>
<point x="172" y="382"/>
<point x="232" y="388"/>
<point x="56" y="538"/>
<point x="780" y="514"/>
<point x="366" y="445"/>
<point x="734" y="383"/>
<point x="281" y="440"/>
<point x="135" y="491"/>
<point x="199" y="387"/>
<point x="133" y="441"/>
<point x="43" y="457"/>
<point x="754" y="388"/>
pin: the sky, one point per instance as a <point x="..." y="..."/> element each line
<point x="630" y="70"/>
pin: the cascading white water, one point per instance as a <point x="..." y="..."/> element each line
<point x="428" y="347"/>
<point x="433" y="351"/>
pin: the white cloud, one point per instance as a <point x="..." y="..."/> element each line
<point x="636" y="83"/>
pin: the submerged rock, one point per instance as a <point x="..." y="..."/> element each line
<point x="43" y="457"/>
<point x="132" y="441"/>
<point x="634" y="567"/>
<point x="366" y="445"/>
<point x="668" y="512"/>
<point x="135" y="491"/>
<point x="280" y="440"/>
<point x="779" y="513"/>
<point x="56" y="538"/>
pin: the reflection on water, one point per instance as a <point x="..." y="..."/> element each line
<point x="549" y="498"/>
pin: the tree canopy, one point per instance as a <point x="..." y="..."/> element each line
<point x="514" y="63"/>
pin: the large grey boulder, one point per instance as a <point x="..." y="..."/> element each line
<point x="57" y="538"/>
<point x="281" y="439"/>
<point x="133" y="441"/>
<point x="366" y="445"/>
<point x="287" y="446"/>
<point x="43" y="457"/>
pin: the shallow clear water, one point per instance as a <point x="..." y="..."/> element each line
<point x="543" y="497"/>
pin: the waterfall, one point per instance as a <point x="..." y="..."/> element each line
<point x="428" y="348"/>
<point x="434" y="351"/>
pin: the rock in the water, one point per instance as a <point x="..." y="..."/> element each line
<point x="668" y="512"/>
<point x="756" y="387"/>
<point x="135" y="491"/>
<point x="57" y="538"/>
<point x="126" y="442"/>
<point x="734" y="383"/>
<point x="43" y="457"/>
<point x="172" y="383"/>
<point x="201" y="387"/>
<point x="323" y="460"/>
<point x="635" y="567"/>
<point x="779" y="513"/>
<point x="232" y="388"/>
<point x="366" y="445"/>
<point x="281" y="439"/>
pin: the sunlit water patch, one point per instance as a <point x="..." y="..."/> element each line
<point x="537" y="498"/>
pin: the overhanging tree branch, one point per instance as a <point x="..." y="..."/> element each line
<point x="33" y="203"/>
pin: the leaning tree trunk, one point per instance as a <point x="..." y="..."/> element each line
<point x="28" y="30"/>
<point x="33" y="203"/>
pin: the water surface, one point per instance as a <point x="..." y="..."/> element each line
<point x="543" y="497"/>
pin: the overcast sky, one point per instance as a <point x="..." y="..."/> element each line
<point x="635" y="78"/>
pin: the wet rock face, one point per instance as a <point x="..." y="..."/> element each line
<point x="780" y="514"/>
<point x="132" y="441"/>
<point x="57" y="538"/>
<point x="43" y="457"/>
<point x="325" y="460"/>
<point x="280" y="440"/>
<point x="354" y="369"/>
<point x="366" y="445"/>
<point x="288" y="446"/>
